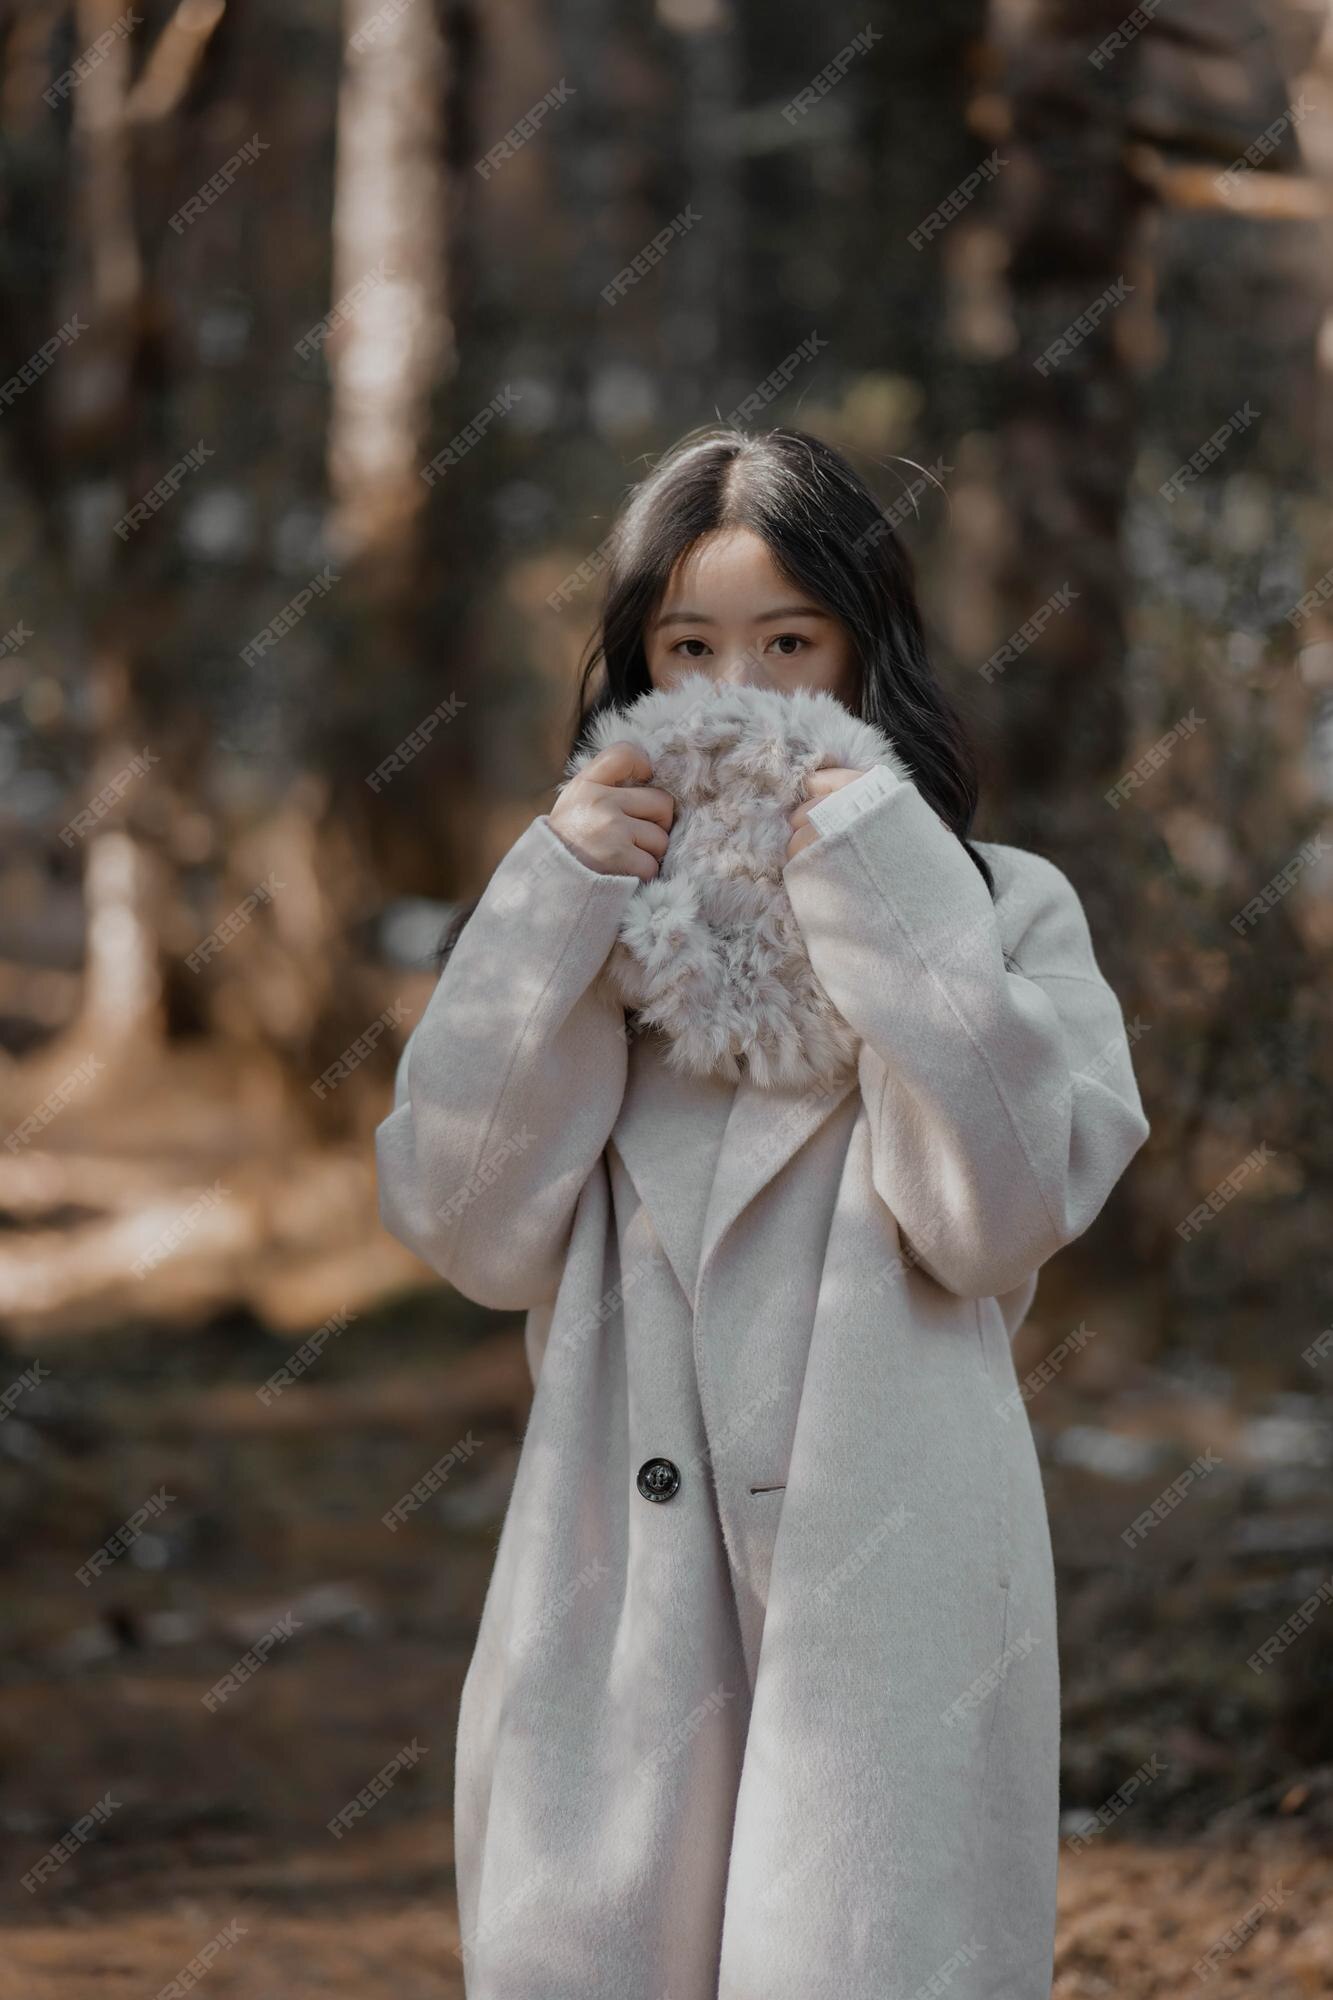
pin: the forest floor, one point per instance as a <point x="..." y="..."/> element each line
<point x="207" y="1824"/>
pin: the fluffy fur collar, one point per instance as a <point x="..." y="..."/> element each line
<point x="710" y="952"/>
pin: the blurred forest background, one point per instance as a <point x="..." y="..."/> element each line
<point x="280" y="681"/>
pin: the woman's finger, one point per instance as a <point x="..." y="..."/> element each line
<point x="647" y="802"/>
<point x="618" y="764"/>
<point x="653" y="839"/>
<point x="820" y="783"/>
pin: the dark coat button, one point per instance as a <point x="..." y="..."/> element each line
<point x="658" y="1479"/>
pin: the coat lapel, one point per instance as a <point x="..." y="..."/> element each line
<point x="765" y="1130"/>
<point x="666" y="1135"/>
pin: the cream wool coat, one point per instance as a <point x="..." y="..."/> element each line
<point x="792" y="1732"/>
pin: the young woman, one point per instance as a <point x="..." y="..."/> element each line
<point x="764" y="1701"/>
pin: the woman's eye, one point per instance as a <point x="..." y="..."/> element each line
<point x="689" y="642"/>
<point x="797" y="641"/>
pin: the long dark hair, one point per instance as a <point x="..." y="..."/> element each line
<point x="829" y="536"/>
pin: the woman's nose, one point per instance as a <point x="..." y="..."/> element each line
<point x="745" y="669"/>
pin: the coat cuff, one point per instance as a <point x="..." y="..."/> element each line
<point x="899" y="848"/>
<point x="541" y="932"/>
<point x="545" y="881"/>
<point x="840" y="808"/>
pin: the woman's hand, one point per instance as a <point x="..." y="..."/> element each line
<point x="612" y="818"/>
<point x="817" y="786"/>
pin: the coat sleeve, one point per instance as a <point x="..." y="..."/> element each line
<point x="510" y="1083"/>
<point x="1001" y="1096"/>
